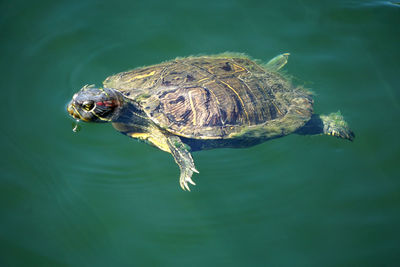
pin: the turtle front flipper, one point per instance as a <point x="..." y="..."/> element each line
<point x="332" y="124"/>
<point x="184" y="159"/>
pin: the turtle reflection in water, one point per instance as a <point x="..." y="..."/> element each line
<point x="195" y="103"/>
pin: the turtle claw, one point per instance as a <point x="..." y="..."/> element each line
<point x="343" y="133"/>
<point x="186" y="178"/>
<point x="187" y="187"/>
<point x="184" y="185"/>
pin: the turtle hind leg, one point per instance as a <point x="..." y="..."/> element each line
<point x="335" y="125"/>
<point x="278" y="62"/>
<point x="332" y="124"/>
<point x="180" y="152"/>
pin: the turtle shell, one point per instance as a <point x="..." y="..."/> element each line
<point x="208" y="97"/>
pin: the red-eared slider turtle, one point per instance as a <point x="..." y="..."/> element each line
<point x="195" y="103"/>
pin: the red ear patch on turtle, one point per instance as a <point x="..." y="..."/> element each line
<point x="106" y="103"/>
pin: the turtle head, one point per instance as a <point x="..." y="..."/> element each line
<point x="92" y="104"/>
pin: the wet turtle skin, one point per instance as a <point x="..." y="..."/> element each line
<point x="204" y="102"/>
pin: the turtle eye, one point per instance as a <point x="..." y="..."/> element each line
<point x="88" y="105"/>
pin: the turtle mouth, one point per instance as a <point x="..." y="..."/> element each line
<point x="73" y="112"/>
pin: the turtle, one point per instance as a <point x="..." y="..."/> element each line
<point x="194" y="103"/>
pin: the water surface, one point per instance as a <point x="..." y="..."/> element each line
<point x="98" y="198"/>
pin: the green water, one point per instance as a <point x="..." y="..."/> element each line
<point x="98" y="198"/>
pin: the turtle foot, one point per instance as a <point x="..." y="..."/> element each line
<point x="186" y="177"/>
<point x="180" y="152"/>
<point x="278" y="62"/>
<point x="335" y="125"/>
